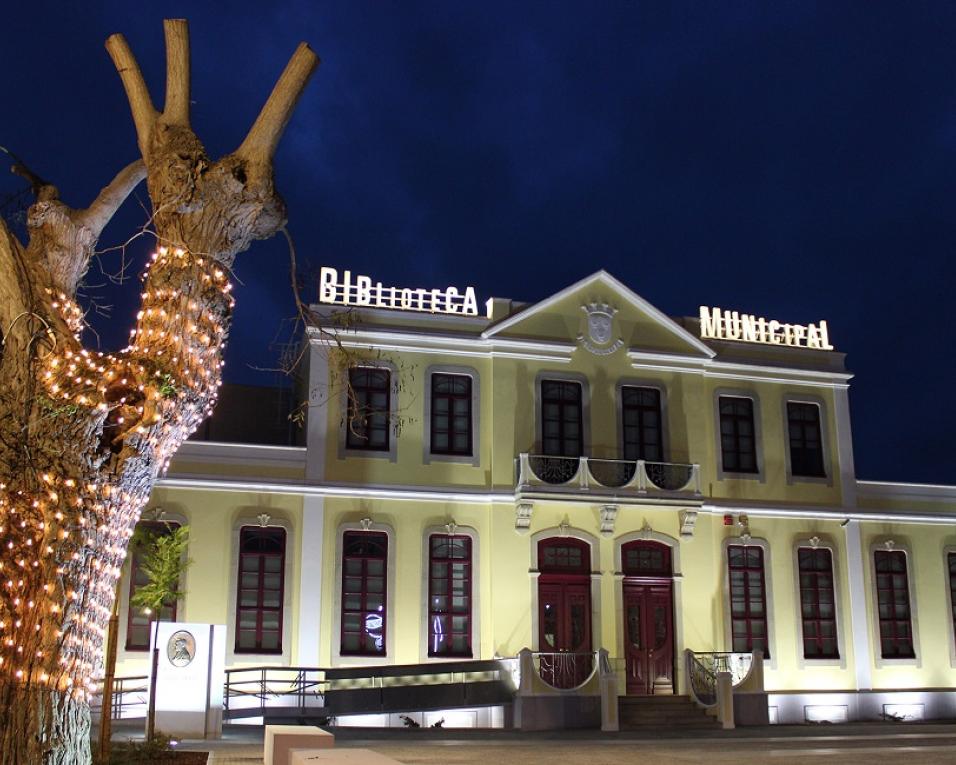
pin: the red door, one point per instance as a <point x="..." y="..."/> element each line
<point x="564" y="631"/>
<point x="649" y="637"/>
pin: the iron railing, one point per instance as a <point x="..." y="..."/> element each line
<point x="250" y="690"/>
<point x="587" y="473"/>
<point x="703" y="668"/>
<point x="565" y="670"/>
<point x="130" y="698"/>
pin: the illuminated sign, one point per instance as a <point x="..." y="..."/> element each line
<point x="361" y="291"/>
<point x="717" y="324"/>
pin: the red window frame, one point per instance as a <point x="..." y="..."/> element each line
<point x="642" y="423"/>
<point x="135" y="617"/>
<point x="564" y="555"/>
<point x="364" y="594"/>
<point x="646" y="558"/>
<point x="369" y="397"/>
<point x="748" y="599"/>
<point x="893" y="604"/>
<point x="457" y="423"/>
<point x="261" y="558"/>
<point x="817" y="603"/>
<point x="450" y="569"/>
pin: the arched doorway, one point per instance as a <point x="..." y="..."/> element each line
<point x="564" y="610"/>
<point x="648" y="617"/>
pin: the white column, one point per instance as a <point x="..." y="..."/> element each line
<point x="859" y="623"/>
<point x="841" y="404"/>
<point x="310" y="581"/>
<point x="318" y="433"/>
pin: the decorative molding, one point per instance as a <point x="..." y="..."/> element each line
<point x="600" y="322"/>
<point x="889" y="544"/>
<point x="451" y="527"/>
<point x="646" y="530"/>
<point x="688" y="519"/>
<point x="366" y="524"/>
<point x="608" y="519"/>
<point x="814" y="542"/>
<point x="523" y="512"/>
<point x="263" y="519"/>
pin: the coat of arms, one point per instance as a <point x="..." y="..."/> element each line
<point x="600" y="321"/>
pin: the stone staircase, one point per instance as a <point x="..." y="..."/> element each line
<point x="649" y="712"/>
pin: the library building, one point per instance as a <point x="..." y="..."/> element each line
<point x="580" y="512"/>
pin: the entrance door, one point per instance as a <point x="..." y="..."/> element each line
<point x="564" y="632"/>
<point x="649" y="637"/>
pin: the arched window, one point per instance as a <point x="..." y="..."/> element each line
<point x="646" y="558"/>
<point x="564" y="555"/>
<point x="261" y="590"/>
<point x="364" y="593"/>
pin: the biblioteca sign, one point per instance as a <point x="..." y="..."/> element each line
<point x="362" y="291"/>
<point x="717" y="324"/>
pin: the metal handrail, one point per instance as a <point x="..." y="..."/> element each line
<point x="704" y="666"/>
<point x="122" y="688"/>
<point x="566" y="670"/>
<point x="584" y="473"/>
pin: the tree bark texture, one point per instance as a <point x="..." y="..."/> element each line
<point x="83" y="434"/>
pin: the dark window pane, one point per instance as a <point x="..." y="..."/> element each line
<point x="806" y="447"/>
<point x="367" y="418"/>
<point x="738" y="450"/>
<point x="641" y="412"/>
<point x="561" y="423"/>
<point x="748" y="604"/>
<point x="816" y="600"/>
<point x="451" y="394"/>
<point x="892" y="588"/>
<point x="449" y="571"/>
<point x="364" y="596"/>
<point x="261" y="592"/>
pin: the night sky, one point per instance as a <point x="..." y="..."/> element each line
<point x="792" y="160"/>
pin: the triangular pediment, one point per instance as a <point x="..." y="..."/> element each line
<point x="635" y="323"/>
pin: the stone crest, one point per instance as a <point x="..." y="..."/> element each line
<point x="600" y="326"/>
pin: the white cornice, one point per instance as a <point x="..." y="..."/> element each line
<point x="912" y="492"/>
<point x="259" y="455"/>
<point x="831" y="513"/>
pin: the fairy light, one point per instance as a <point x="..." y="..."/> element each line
<point x="63" y="537"/>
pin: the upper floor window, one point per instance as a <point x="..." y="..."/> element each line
<point x="646" y="558"/>
<point x="138" y="622"/>
<point x="806" y="443"/>
<point x="561" y="418"/>
<point x="451" y="414"/>
<point x="893" y="602"/>
<point x="738" y="445"/>
<point x="368" y="409"/>
<point x="261" y="590"/>
<point x="748" y="599"/>
<point x="817" y="603"/>
<point x="641" y="413"/>
<point x="364" y="593"/>
<point x="449" y="595"/>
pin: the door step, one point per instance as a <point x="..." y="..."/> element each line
<point x="643" y="712"/>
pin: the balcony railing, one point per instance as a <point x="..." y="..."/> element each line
<point x="590" y="473"/>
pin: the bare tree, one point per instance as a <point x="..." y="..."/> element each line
<point x="83" y="434"/>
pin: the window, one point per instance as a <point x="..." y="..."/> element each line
<point x="893" y="602"/>
<point x="449" y="595"/>
<point x="364" y="596"/>
<point x="368" y="415"/>
<point x="737" y="439"/>
<point x="748" y="599"/>
<point x="951" y="562"/>
<point x="561" y="421"/>
<point x="646" y="559"/>
<point x="817" y="604"/>
<point x="451" y="414"/>
<point x="261" y="590"/>
<point x="806" y="444"/>
<point x="641" y="412"/>
<point x="138" y="623"/>
<point x="564" y="556"/>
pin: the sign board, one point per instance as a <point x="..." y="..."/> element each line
<point x="717" y="324"/>
<point x="190" y="676"/>
<point x="361" y="291"/>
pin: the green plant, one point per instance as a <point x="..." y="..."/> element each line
<point x="160" y="748"/>
<point x="163" y="561"/>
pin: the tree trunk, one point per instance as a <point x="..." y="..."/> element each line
<point x="84" y="435"/>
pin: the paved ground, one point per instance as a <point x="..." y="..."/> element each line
<point x="780" y="745"/>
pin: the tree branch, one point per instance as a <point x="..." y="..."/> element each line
<point x="140" y="104"/>
<point x="176" y="110"/>
<point x="260" y="144"/>
<point x="100" y="212"/>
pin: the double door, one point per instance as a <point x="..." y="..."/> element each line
<point x="564" y="631"/>
<point x="649" y="636"/>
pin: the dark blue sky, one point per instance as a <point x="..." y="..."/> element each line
<point x="796" y="160"/>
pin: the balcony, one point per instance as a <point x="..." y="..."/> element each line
<point x="589" y="475"/>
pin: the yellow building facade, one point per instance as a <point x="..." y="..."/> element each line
<point x="581" y="473"/>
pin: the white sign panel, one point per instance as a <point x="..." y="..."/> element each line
<point x="361" y="291"/>
<point x="190" y="676"/>
<point x="717" y="324"/>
